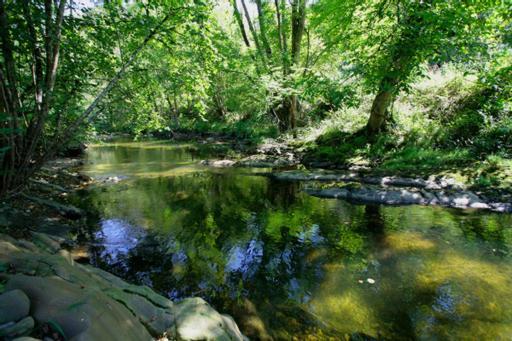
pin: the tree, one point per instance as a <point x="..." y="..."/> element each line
<point x="421" y="31"/>
<point x="287" y="108"/>
<point x="31" y="41"/>
<point x="386" y="41"/>
<point x="24" y="129"/>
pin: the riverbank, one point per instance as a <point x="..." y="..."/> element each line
<point x="362" y="183"/>
<point x="229" y="235"/>
<point x="47" y="290"/>
<point x="46" y="294"/>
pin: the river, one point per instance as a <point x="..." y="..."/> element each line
<point x="286" y="264"/>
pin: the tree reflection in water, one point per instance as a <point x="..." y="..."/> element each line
<point x="285" y="263"/>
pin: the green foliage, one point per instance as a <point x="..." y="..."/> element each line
<point x="448" y="123"/>
<point x="198" y="75"/>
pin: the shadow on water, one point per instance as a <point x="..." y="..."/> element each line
<point x="289" y="265"/>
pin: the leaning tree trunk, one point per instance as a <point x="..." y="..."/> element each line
<point x="240" y="22"/>
<point x="379" y="112"/>
<point x="254" y="35"/>
<point x="402" y="64"/>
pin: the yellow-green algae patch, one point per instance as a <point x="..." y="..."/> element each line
<point x="449" y="290"/>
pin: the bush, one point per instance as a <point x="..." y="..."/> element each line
<point x="496" y="139"/>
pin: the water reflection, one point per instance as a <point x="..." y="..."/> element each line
<point x="287" y="264"/>
<point x="116" y="238"/>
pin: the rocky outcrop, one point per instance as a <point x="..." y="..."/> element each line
<point x="14" y="305"/>
<point x="393" y="190"/>
<point x="394" y="196"/>
<point x="269" y="154"/>
<point x="86" y="303"/>
<point x="432" y="184"/>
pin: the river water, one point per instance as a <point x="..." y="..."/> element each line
<point x="286" y="264"/>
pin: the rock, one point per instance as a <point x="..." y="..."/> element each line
<point x="46" y="242"/>
<point x="197" y="320"/>
<point x="87" y="302"/>
<point x="83" y="313"/>
<point x="267" y="161"/>
<point x="466" y="199"/>
<point x="367" y="195"/>
<point x="218" y="163"/>
<point x="20" y="328"/>
<point x="67" y="211"/>
<point x="355" y="176"/>
<point x="46" y="186"/>
<point x="321" y="164"/>
<point x="394" y="196"/>
<point x="25" y="338"/>
<point x="111" y="179"/>
<point x="14" y="305"/>
<point x="272" y="147"/>
<point x="80" y="254"/>
<point x="28" y="245"/>
<point x="157" y="320"/>
<point x="148" y="294"/>
<point x="67" y="256"/>
<point x="501" y="207"/>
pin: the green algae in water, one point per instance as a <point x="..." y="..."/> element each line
<point x="289" y="265"/>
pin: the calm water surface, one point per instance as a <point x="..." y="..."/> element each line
<point x="286" y="264"/>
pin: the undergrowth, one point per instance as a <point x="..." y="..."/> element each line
<point x="448" y="123"/>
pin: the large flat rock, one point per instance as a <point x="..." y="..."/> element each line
<point x="92" y="304"/>
<point x="83" y="313"/>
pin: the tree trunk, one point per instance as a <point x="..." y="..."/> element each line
<point x="254" y="34"/>
<point x="298" y="24"/>
<point x="284" y="38"/>
<point x="240" y="22"/>
<point x="263" y="30"/>
<point x="26" y="152"/>
<point x="378" y="113"/>
<point x="400" y="67"/>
